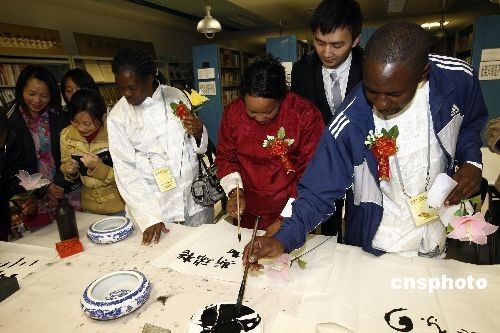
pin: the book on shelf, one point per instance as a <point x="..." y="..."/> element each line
<point x="6" y="96"/>
<point x="3" y="74"/>
<point x="235" y="61"/>
<point x="105" y="95"/>
<point x="116" y="93"/>
<point x="225" y="60"/>
<point x="93" y="68"/>
<point x="229" y="95"/>
<point x="229" y="58"/>
<point x="18" y="68"/>
<point x="231" y="78"/>
<point x="9" y="73"/>
<point x="107" y="72"/>
<point x="111" y="95"/>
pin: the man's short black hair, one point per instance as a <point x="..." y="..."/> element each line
<point x="264" y="78"/>
<point x="400" y="42"/>
<point x="331" y="15"/>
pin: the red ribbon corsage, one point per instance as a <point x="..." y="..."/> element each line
<point x="278" y="146"/>
<point x="383" y="145"/>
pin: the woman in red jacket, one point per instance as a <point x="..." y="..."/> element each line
<point x="266" y="139"/>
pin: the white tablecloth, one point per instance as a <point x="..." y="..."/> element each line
<point x="357" y="296"/>
<point x="49" y="300"/>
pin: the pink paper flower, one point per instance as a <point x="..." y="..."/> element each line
<point x="31" y="182"/>
<point x="471" y="228"/>
<point x="280" y="268"/>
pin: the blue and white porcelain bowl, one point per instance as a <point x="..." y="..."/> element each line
<point x="110" y="230"/>
<point x="115" y="295"/>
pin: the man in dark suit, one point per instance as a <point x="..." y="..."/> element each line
<point x="329" y="72"/>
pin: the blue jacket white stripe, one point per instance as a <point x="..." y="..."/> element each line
<point x="343" y="161"/>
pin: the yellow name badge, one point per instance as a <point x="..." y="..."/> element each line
<point x="420" y="211"/>
<point x="164" y="179"/>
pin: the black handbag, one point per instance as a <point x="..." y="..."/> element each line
<point x="206" y="188"/>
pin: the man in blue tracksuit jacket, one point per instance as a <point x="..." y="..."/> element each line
<point x="343" y="160"/>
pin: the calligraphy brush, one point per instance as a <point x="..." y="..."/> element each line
<point x="238" y="208"/>
<point x="247" y="266"/>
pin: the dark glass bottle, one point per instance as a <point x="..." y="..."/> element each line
<point x="66" y="220"/>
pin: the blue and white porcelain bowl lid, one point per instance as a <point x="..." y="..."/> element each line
<point x="115" y="295"/>
<point x="222" y="317"/>
<point x="110" y="230"/>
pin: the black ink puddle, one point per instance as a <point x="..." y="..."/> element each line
<point x="225" y="319"/>
<point x="162" y="299"/>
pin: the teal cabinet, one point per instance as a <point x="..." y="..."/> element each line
<point x="486" y="37"/>
<point x="227" y="65"/>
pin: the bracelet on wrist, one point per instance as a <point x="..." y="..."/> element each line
<point x="233" y="191"/>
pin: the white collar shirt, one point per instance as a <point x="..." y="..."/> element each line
<point x="343" y="73"/>
<point x="397" y="231"/>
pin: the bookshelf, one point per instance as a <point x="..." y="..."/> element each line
<point x="286" y="48"/>
<point x="228" y="65"/>
<point x="12" y="64"/>
<point x="463" y="43"/>
<point x="230" y="73"/>
<point x="178" y="74"/>
<point x="289" y="50"/>
<point x="100" y="70"/>
<point x="247" y="58"/>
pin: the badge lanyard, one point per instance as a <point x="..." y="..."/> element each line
<point x="421" y="213"/>
<point x="163" y="176"/>
<point x="166" y="118"/>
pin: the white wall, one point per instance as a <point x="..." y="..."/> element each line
<point x="171" y="36"/>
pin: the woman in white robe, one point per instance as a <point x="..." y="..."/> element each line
<point x="146" y="138"/>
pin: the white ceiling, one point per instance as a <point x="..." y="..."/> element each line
<point x="295" y="20"/>
<point x="265" y="18"/>
<point x="251" y="21"/>
<point x="266" y="14"/>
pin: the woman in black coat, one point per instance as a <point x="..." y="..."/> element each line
<point x="36" y="116"/>
<point x="11" y="160"/>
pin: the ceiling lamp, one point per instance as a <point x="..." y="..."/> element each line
<point x="442" y="33"/>
<point x="208" y="26"/>
<point x="429" y="25"/>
